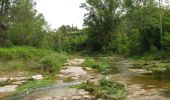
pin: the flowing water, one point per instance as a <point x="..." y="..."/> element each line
<point x="140" y="86"/>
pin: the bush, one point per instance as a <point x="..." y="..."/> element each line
<point x="106" y="89"/>
<point x="99" y="64"/>
<point x="20" y="53"/>
<point x="52" y="62"/>
<point x="161" y="70"/>
<point x="29" y="58"/>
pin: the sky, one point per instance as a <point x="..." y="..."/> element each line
<point x="61" y="12"/>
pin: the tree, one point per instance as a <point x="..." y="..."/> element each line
<point x="27" y="29"/>
<point x="4" y="20"/>
<point x="102" y="19"/>
<point x="4" y="10"/>
<point x="142" y="16"/>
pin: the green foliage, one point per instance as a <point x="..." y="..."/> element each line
<point x="7" y="82"/>
<point x="29" y="58"/>
<point x="166" y="41"/>
<point x="28" y="29"/>
<point x="101" y="21"/>
<point x="52" y="62"/>
<point x="75" y="43"/>
<point x="13" y="65"/>
<point x="67" y="79"/>
<point x="24" y="53"/>
<point x="166" y="92"/>
<point x="161" y="70"/>
<point x="106" y="90"/>
<point x="33" y="85"/>
<point x="99" y="64"/>
<point x="69" y="41"/>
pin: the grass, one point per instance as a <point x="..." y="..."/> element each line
<point x="166" y="93"/>
<point x="159" y="69"/>
<point x="33" y="85"/>
<point x="67" y="79"/>
<point x="7" y="82"/>
<point x="98" y="64"/>
<point x="31" y="59"/>
<point x="106" y="90"/>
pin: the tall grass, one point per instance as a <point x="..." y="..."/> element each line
<point x="30" y="59"/>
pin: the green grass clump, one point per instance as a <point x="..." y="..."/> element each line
<point x="20" y="53"/>
<point x="33" y="85"/>
<point x="67" y="79"/>
<point x="53" y="62"/>
<point x="100" y="65"/>
<point x="30" y="59"/>
<point x="7" y="82"/>
<point x="106" y="90"/>
<point x="161" y="70"/>
<point x="166" y="92"/>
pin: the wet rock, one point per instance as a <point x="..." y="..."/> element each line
<point x="45" y="98"/>
<point x="58" y="98"/>
<point x="37" y="77"/>
<point x="83" y="92"/>
<point x="3" y="79"/>
<point x="76" y="98"/>
<point x="87" y="68"/>
<point x="65" y="98"/>
<point x="141" y="71"/>
<point x="151" y="86"/>
<point x="87" y="97"/>
<point x="73" y="71"/>
<point x="74" y="62"/>
<point x="19" y="78"/>
<point x="8" y="88"/>
<point x="18" y="82"/>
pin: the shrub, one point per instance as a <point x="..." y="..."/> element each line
<point x="52" y="62"/>
<point x="29" y="58"/>
<point x="106" y="89"/>
<point x="100" y="65"/>
<point x="19" y="53"/>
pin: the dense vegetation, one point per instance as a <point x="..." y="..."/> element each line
<point x="132" y="28"/>
<point x="29" y="58"/>
<point x="127" y="27"/>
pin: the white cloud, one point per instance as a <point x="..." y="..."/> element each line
<point x="61" y="12"/>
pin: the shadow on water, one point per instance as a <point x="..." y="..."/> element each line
<point x="149" y="82"/>
<point x="145" y="81"/>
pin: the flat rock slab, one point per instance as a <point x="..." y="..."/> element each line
<point x="37" y="77"/>
<point x="73" y="71"/>
<point x="60" y="94"/>
<point x="141" y="71"/>
<point x="8" y="88"/>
